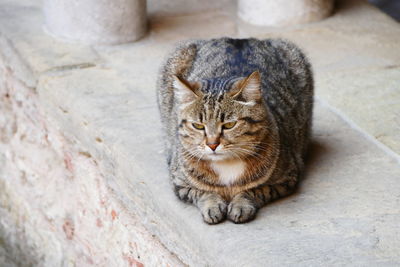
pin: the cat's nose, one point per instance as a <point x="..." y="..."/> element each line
<point x="213" y="146"/>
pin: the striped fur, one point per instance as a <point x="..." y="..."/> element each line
<point x="266" y="88"/>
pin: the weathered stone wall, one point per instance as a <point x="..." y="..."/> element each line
<point x="55" y="208"/>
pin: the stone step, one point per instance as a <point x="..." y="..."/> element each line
<point x="98" y="191"/>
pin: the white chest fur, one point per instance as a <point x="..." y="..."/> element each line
<point x="228" y="171"/>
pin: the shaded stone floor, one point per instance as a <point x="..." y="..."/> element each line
<point x="391" y="7"/>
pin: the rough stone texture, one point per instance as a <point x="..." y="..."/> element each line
<point x="100" y="102"/>
<point x="283" y="12"/>
<point x="96" y="21"/>
<point x="55" y="207"/>
<point x="372" y="97"/>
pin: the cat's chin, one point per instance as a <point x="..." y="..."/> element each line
<point x="217" y="157"/>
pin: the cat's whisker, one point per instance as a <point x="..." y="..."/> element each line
<point x="244" y="152"/>
<point x="235" y="154"/>
<point x="249" y="153"/>
<point x="257" y="144"/>
<point x="191" y="155"/>
<point x="201" y="156"/>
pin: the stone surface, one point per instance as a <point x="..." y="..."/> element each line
<point x="283" y="12"/>
<point x="96" y="22"/>
<point x="371" y="97"/>
<point x="55" y="206"/>
<point x="21" y="27"/>
<point x="100" y="101"/>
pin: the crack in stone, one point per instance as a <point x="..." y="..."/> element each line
<point x="84" y="65"/>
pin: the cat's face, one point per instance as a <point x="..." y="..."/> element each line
<point x="229" y="124"/>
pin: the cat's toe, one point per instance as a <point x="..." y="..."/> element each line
<point x="214" y="212"/>
<point x="241" y="212"/>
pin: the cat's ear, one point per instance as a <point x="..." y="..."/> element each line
<point x="185" y="91"/>
<point x="248" y="88"/>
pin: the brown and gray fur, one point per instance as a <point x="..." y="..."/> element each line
<point x="266" y="88"/>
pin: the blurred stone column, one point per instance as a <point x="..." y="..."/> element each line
<point x="283" y="12"/>
<point x="96" y="21"/>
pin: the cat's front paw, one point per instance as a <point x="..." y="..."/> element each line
<point x="241" y="210"/>
<point x="213" y="209"/>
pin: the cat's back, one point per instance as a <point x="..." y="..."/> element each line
<point x="226" y="57"/>
<point x="286" y="75"/>
<point x="277" y="60"/>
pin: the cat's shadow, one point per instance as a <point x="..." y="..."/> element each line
<point x="317" y="155"/>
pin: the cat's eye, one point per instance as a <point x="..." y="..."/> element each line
<point x="198" y="126"/>
<point x="229" y="125"/>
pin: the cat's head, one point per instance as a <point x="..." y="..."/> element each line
<point x="221" y="119"/>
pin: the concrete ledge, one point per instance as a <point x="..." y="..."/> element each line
<point x="98" y="101"/>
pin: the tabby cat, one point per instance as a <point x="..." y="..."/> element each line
<point x="237" y="117"/>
